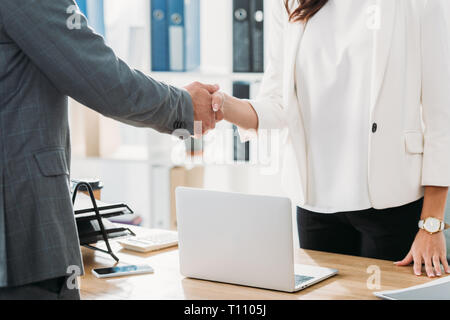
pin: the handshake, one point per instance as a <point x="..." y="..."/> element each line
<point x="208" y="104"/>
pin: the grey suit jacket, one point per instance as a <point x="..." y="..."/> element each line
<point x="42" y="62"/>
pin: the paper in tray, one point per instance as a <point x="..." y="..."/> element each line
<point x="89" y="231"/>
<point x="84" y="210"/>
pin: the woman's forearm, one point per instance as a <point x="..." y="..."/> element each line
<point x="240" y="112"/>
<point x="434" y="202"/>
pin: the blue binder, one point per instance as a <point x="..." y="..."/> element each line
<point x="175" y="35"/>
<point x="257" y="33"/>
<point x="96" y="15"/>
<point x="242" y="51"/>
<point x="160" y="35"/>
<point x="241" y="151"/>
<point x="82" y="6"/>
<point x="94" y="11"/>
<point x="184" y="34"/>
<point x="192" y="37"/>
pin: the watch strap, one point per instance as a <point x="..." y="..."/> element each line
<point x="421" y="224"/>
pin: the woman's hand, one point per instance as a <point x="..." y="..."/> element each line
<point x="237" y="111"/>
<point x="429" y="249"/>
<point x="218" y="103"/>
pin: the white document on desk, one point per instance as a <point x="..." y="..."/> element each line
<point x="434" y="290"/>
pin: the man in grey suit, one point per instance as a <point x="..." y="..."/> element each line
<point x="43" y="60"/>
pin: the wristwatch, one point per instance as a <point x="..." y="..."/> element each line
<point x="433" y="225"/>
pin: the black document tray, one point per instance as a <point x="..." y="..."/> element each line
<point x="92" y="223"/>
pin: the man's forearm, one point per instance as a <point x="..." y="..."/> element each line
<point x="80" y="65"/>
<point x="434" y="202"/>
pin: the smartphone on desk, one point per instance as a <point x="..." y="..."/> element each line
<point x="121" y="271"/>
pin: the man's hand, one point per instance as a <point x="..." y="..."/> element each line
<point x="201" y="95"/>
<point x="429" y="249"/>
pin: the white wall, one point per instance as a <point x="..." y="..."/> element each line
<point x="125" y="181"/>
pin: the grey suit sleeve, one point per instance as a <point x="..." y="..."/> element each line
<point x="82" y="66"/>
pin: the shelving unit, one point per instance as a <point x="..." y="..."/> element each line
<point x="206" y="77"/>
<point x="138" y="159"/>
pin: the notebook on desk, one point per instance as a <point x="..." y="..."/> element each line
<point x="434" y="290"/>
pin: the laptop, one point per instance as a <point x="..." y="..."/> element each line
<point x="240" y="239"/>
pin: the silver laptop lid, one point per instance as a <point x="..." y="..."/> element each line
<point x="236" y="238"/>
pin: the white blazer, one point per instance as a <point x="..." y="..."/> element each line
<point x="410" y="101"/>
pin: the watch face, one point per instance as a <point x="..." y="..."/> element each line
<point x="432" y="225"/>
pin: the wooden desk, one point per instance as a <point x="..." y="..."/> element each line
<point x="167" y="282"/>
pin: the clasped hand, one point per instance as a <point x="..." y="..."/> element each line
<point x="208" y="106"/>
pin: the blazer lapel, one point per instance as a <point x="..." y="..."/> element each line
<point x="383" y="45"/>
<point x="294" y="36"/>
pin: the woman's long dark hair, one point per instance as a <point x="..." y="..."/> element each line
<point x="305" y="10"/>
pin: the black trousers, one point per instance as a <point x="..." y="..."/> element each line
<point x="381" y="234"/>
<point x="53" y="289"/>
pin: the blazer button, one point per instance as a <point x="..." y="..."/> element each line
<point x="374" y="128"/>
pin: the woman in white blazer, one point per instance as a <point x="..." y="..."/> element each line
<point x="363" y="87"/>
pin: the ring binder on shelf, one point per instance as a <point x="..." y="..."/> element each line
<point x="241" y="36"/>
<point x="248" y="36"/>
<point x="241" y="150"/>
